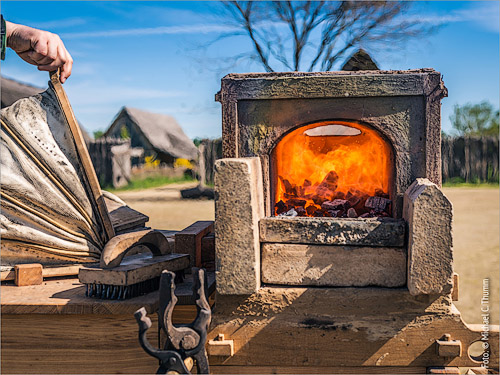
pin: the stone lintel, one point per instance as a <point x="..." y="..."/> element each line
<point x="239" y="205"/>
<point x="325" y="84"/>
<point x="336" y="266"/>
<point x="384" y="232"/>
<point x="430" y="255"/>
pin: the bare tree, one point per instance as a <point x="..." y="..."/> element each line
<point x="314" y="35"/>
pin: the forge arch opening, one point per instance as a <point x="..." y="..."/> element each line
<point x="325" y="168"/>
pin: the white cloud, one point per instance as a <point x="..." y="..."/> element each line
<point x="485" y="14"/>
<point x="84" y="94"/>
<point x="59" y="24"/>
<point x="161" y="30"/>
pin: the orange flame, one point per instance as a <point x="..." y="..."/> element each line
<point x="307" y="159"/>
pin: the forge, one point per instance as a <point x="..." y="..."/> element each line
<point x="332" y="169"/>
<point x="333" y="237"/>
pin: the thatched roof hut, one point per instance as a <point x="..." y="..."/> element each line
<point x="155" y="133"/>
<point x="12" y="91"/>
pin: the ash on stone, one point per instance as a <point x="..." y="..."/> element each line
<point x="290" y="213"/>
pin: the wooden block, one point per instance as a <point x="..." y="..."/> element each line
<point x="28" y="274"/>
<point x="220" y="347"/>
<point x="443" y="370"/>
<point x="133" y="269"/>
<point x="455" y="290"/>
<point x="115" y="250"/>
<point x="385" y="232"/>
<point x="125" y="218"/>
<point x="188" y="241"/>
<point x="208" y="252"/>
<point x="446" y="347"/>
<point x="208" y="248"/>
<point x="477" y="371"/>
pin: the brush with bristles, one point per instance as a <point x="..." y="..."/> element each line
<point x="135" y="276"/>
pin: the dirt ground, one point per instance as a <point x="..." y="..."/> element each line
<point x="476" y="249"/>
<point x="475" y="230"/>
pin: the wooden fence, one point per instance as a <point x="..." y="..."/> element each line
<point x="470" y="159"/>
<point x="210" y="151"/>
<point x="112" y="160"/>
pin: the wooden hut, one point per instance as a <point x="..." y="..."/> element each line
<point x="158" y="134"/>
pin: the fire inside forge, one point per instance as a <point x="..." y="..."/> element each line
<point x="333" y="169"/>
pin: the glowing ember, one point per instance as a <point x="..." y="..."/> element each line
<point x="332" y="169"/>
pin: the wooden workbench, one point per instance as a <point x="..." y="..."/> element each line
<point x="54" y="329"/>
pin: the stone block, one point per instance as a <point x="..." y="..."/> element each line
<point x="384" y="232"/>
<point x="239" y="205"/>
<point x="337" y="266"/>
<point x="430" y="256"/>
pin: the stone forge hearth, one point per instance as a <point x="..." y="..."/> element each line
<point x="312" y="292"/>
<point x="312" y="188"/>
<point x="332" y="169"/>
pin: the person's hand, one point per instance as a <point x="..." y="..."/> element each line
<point x="40" y="48"/>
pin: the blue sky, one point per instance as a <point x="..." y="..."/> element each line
<point x="156" y="56"/>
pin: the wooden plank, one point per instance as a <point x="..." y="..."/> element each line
<point x="28" y="274"/>
<point x="333" y="231"/>
<point x="89" y="343"/>
<point x="47" y="271"/>
<point x="342" y="327"/>
<point x="188" y="240"/>
<point x="88" y="168"/>
<point x="67" y="296"/>
<point x="455" y="290"/>
<point x="123" y="217"/>
<point x="133" y="269"/>
<point x="74" y="344"/>
<point x="315" y="370"/>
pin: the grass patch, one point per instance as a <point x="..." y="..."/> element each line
<point x="151" y="182"/>
<point x="460" y="182"/>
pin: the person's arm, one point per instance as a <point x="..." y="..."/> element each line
<point x="40" y="48"/>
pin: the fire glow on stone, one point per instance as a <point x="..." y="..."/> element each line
<point x="339" y="169"/>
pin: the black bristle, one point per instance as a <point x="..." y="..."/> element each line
<point x="120" y="292"/>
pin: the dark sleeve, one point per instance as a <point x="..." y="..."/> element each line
<point x="4" y="38"/>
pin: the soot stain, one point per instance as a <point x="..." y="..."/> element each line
<point x="324" y="324"/>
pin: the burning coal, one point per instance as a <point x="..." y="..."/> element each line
<point x="333" y="170"/>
